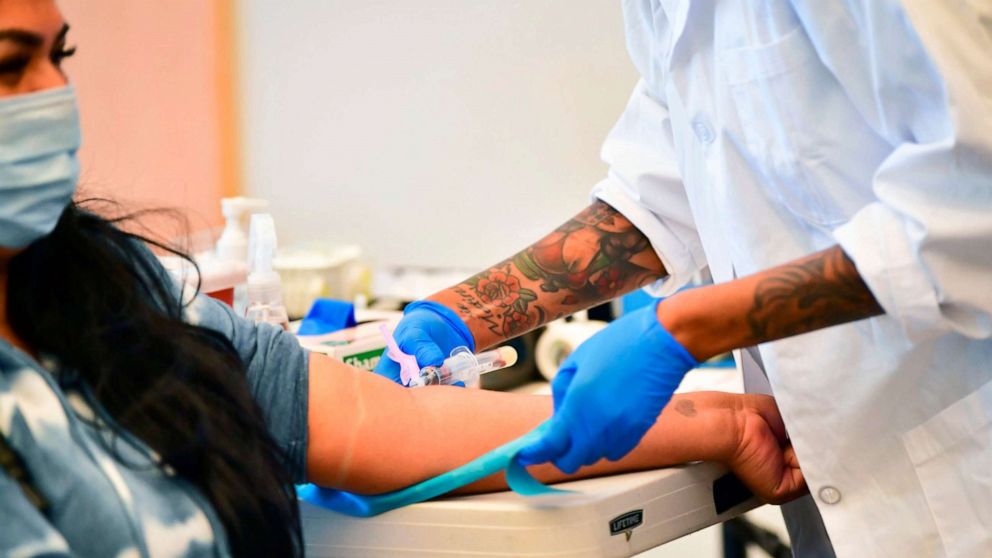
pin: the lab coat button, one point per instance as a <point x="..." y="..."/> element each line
<point x="829" y="495"/>
<point x="701" y="127"/>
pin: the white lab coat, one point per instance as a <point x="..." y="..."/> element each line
<point x="765" y="130"/>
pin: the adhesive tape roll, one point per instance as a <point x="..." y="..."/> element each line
<point x="558" y="341"/>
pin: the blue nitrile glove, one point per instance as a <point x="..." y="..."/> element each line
<point x="428" y="331"/>
<point x="609" y="392"/>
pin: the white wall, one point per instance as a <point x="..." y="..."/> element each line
<point x="432" y="132"/>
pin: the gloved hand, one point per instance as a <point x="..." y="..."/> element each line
<point x="610" y="391"/>
<point x="428" y="331"/>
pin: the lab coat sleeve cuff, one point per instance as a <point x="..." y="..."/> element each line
<point x="680" y="261"/>
<point x="879" y="243"/>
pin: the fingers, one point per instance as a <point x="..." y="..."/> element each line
<point x="576" y="456"/>
<point x="768" y="410"/>
<point x="561" y="383"/>
<point x="417" y="342"/>
<point x="588" y="449"/>
<point x="790" y="457"/>
<point x="794" y="480"/>
<point x="389" y="368"/>
<point x="618" y="451"/>
<point x="555" y="442"/>
<point x="766" y="465"/>
<point x="791" y="483"/>
<point x="557" y="445"/>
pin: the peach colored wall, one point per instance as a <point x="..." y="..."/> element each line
<point x="151" y="90"/>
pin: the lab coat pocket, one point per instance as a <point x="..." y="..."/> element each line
<point x="952" y="454"/>
<point x="774" y="89"/>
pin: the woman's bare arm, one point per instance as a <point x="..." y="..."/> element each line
<point x="369" y="435"/>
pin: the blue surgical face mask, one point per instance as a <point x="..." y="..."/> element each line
<point x="39" y="137"/>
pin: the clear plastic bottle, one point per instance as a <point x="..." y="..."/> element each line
<point x="266" y="308"/>
<point x="264" y="289"/>
<point x="232" y="246"/>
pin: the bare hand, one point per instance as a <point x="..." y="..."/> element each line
<point x="762" y="456"/>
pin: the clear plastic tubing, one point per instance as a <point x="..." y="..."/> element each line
<point x="465" y="367"/>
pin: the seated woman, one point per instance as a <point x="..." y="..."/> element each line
<point x="134" y="423"/>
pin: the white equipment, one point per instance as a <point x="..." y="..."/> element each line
<point x="613" y="516"/>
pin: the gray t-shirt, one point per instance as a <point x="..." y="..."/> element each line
<point x="105" y="503"/>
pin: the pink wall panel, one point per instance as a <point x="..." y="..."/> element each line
<point x="151" y="89"/>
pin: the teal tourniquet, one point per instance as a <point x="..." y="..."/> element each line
<point x="501" y="458"/>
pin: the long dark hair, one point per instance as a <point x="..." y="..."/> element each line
<point x="89" y="295"/>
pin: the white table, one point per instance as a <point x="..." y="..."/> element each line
<point x="613" y="516"/>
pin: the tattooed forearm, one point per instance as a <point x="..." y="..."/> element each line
<point x="469" y="306"/>
<point x="818" y="291"/>
<point x="822" y="290"/>
<point x="594" y="257"/>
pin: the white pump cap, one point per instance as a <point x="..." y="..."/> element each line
<point x="233" y="244"/>
<point x="264" y="284"/>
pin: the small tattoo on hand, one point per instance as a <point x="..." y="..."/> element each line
<point x="685" y="407"/>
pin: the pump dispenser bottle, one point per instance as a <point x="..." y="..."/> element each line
<point x="232" y="246"/>
<point x="233" y="243"/>
<point x="265" y="302"/>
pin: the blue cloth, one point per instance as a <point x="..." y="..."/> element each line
<point x="610" y="391"/>
<point x="501" y="458"/>
<point x="327" y="315"/>
<point x="428" y="331"/>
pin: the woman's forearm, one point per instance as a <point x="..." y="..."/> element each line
<point x="369" y="435"/>
<point x="693" y="427"/>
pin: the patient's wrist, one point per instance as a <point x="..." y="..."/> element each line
<point x="705" y="423"/>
